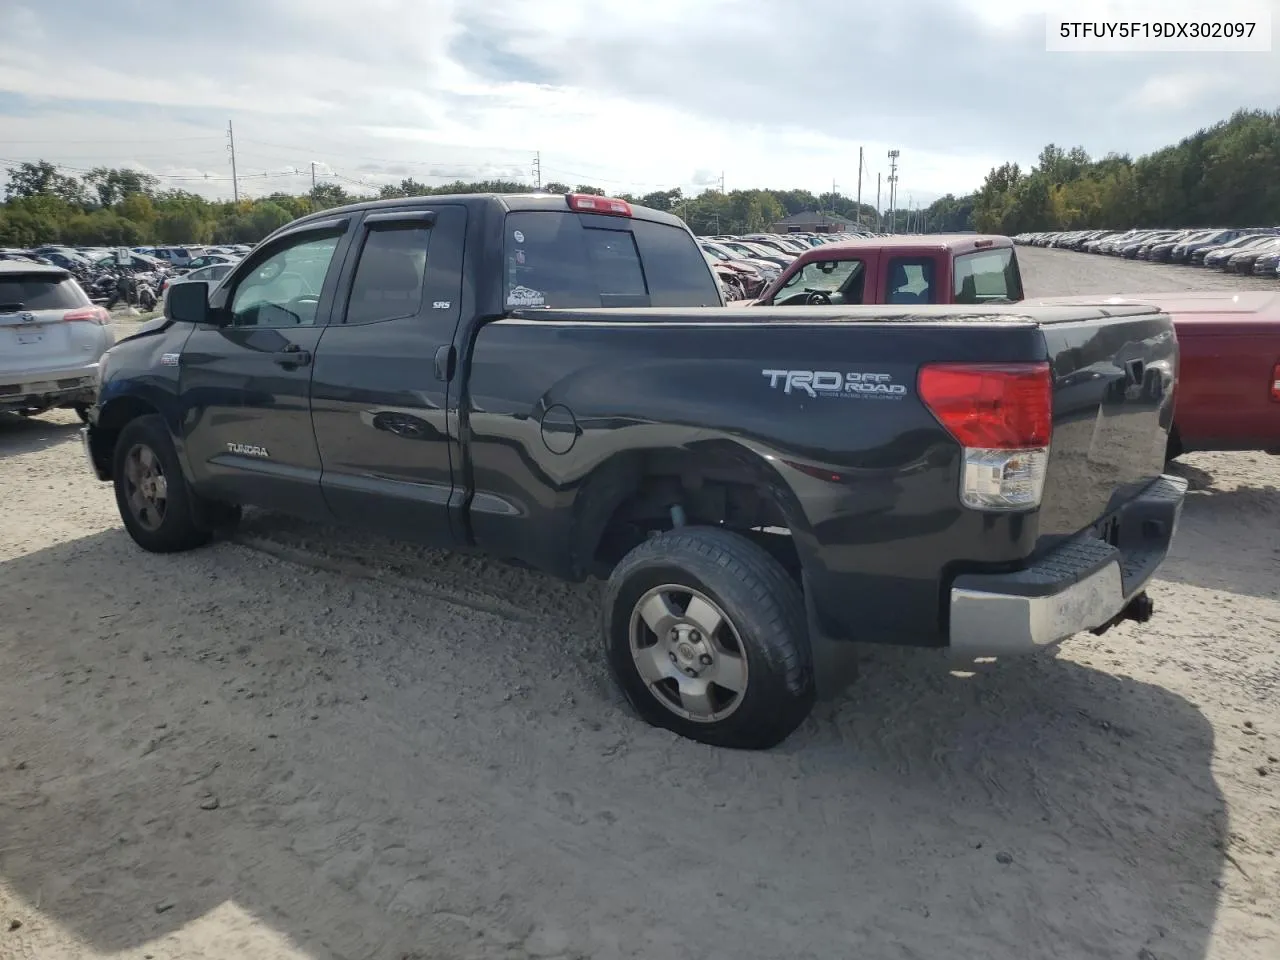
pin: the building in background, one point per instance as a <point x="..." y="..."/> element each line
<point x="809" y="221"/>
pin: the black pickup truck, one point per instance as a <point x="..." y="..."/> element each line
<point x="556" y="381"/>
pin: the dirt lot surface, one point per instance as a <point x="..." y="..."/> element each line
<point x="308" y="743"/>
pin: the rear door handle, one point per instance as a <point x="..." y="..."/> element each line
<point x="292" y="356"/>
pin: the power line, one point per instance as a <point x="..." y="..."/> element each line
<point x="130" y="140"/>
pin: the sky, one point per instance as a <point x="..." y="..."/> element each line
<point x="620" y="94"/>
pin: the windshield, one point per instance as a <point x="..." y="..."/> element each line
<point x="822" y="276"/>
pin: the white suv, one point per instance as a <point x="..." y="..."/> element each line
<point x="51" y="339"/>
<point x="177" y="256"/>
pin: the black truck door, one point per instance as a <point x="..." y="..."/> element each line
<point x="382" y="372"/>
<point x="244" y="385"/>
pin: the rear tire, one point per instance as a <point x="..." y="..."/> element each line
<point x="152" y="495"/>
<point x="729" y="663"/>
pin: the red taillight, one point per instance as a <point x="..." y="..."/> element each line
<point x="87" y="315"/>
<point x="1275" y="383"/>
<point x="590" y="203"/>
<point x="995" y="406"/>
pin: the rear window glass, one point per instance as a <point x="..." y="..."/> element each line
<point x="566" y="260"/>
<point x="41" y="293"/>
<point x="988" y="276"/>
<point x="676" y="270"/>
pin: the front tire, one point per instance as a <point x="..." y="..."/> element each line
<point x="706" y="634"/>
<point x="151" y="492"/>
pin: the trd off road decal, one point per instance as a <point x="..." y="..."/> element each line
<point x="832" y="383"/>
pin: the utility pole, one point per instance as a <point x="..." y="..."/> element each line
<point x="893" y="189"/>
<point x="231" y="145"/>
<point x="537" y="170"/>
<point x="313" y="186"/>
<point x="722" y="181"/>
<point x="857" y="214"/>
<point x="878" y="223"/>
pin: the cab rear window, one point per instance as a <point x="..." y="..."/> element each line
<point x="567" y="260"/>
<point x="988" y="276"/>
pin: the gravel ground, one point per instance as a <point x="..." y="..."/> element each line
<point x="309" y="743"/>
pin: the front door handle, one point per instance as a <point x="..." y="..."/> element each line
<point x="292" y="356"/>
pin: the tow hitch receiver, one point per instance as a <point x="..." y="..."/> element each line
<point x="1140" y="608"/>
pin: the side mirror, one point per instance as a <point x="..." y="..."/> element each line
<point x="188" y="302"/>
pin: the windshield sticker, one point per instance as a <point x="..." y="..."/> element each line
<point x="525" y="297"/>
<point x="831" y="383"/>
<point x="518" y="236"/>
<point x="520" y="257"/>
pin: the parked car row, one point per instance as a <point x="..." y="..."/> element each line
<point x="747" y="265"/>
<point x="1247" y="250"/>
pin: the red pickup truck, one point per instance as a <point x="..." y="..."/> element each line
<point x="1228" y="394"/>
<point x="941" y="268"/>
<point x="1228" y="389"/>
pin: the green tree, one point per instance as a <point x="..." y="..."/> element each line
<point x="326" y="195"/>
<point x="41" y="178"/>
<point x="112" y="186"/>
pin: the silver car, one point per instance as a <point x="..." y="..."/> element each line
<point x="51" y="339"/>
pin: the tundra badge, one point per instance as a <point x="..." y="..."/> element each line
<point x="248" y="450"/>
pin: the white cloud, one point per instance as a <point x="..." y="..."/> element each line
<point x="623" y="95"/>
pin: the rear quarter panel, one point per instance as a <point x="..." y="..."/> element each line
<point x="868" y="485"/>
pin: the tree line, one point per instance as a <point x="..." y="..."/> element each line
<point x="1226" y="175"/>
<point x="112" y="207"/>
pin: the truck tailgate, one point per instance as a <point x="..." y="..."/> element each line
<point x="1113" y="406"/>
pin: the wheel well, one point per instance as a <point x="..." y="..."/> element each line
<point x="111" y="420"/>
<point x="731" y="490"/>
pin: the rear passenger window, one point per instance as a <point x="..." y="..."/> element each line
<point x="910" y="280"/>
<point x="389" y="277"/>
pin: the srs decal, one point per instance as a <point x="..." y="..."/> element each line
<point x="248" y="450"/>
<point x="832" y="383"/>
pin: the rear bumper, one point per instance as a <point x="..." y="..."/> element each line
<point x="41" y="394"/>
<point x="1082" y="585"/>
